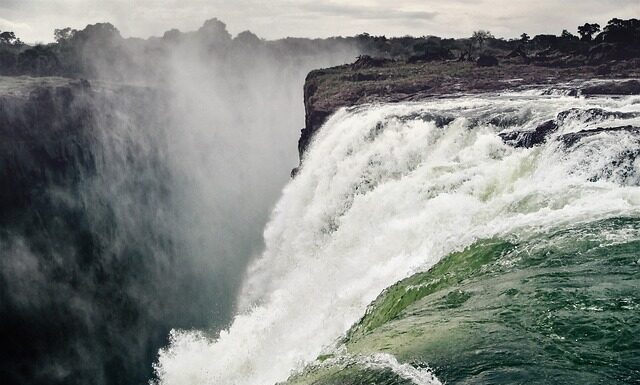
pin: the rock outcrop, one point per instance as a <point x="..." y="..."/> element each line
<point x="572" y="138"/>
<point x="84" y="259"/>
<point x="44" y="138"/>
<point x="528" y="139"/>
<point x="327" y="90"/>
<point x="531" y="138"/>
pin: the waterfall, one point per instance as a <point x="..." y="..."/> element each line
<point x="386" y="191"/>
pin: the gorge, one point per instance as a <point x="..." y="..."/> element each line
<point x="447" y="222"/>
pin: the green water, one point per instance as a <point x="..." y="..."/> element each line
<point x="560" y="307"/>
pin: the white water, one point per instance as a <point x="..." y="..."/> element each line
<point x="373" y="205"/>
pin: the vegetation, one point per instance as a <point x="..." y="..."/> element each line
<point x="586" y="31"/>
<point x="100" y="50"/>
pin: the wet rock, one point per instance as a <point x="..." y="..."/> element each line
<point x="572" y="138"/>
<point x="528" y="139"/>
<point x="594" y="115"/>
<point x="57" y="147"/>
<point x="619" y="167"/>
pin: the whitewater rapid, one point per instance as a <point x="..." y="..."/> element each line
<point x="388" y="190"/>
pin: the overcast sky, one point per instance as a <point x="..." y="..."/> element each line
<point x="35" y="20"/>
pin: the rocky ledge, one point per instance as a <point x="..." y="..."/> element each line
<point x="370" y="80"/>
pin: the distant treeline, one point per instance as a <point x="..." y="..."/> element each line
<point x="99" y="50"/>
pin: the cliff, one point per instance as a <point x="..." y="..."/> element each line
<point x="83" y="254"/>
<point x="43" y="134"/>
<point x="371" y="80"/>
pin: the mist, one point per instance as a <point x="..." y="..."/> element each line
<point x="183" y="146"/>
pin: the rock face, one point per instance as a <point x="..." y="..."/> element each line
<point x="327" y="90"/>
<point x="91" y="279"/>
<point x="44" y="138"/>
<point x="572" y="138"/>
<point x="531" y="138"/>
<point x="528" y="139"/>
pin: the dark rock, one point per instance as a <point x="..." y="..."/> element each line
<point x="629" y="87"/>
<point x="572" y="138"/>
<point x="604" y="69"/>
<point x="573" y="92"/>
<point x="487" y="61"/>
<point x="595" y="115"/>
<point x="528" y="139"/>
<point x="61" y="142"/>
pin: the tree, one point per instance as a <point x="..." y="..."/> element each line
<point x="172" y="35"/>
<point x="39" y="60"/>
<point x="64" y="34"/>
<point x="567" y="35"/>
<point x="587" y="31"/>
<point x="480" y="37"/>
<point x="248" y="38"/>
<point x="544" y="41"/>
<point x="621" y="31"/>
<point x="7" y="37"/>
<point x="524" y="39"/>
<point x="215" y="31"/>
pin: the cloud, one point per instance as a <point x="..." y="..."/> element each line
<point x="365" y="12"/>
<point x="13" y="26"/>
<point x="36" y="19"/>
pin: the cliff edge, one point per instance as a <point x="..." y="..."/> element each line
<point x="371" y="80"/>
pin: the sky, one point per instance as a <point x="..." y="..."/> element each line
<point x="34" y="20"/>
